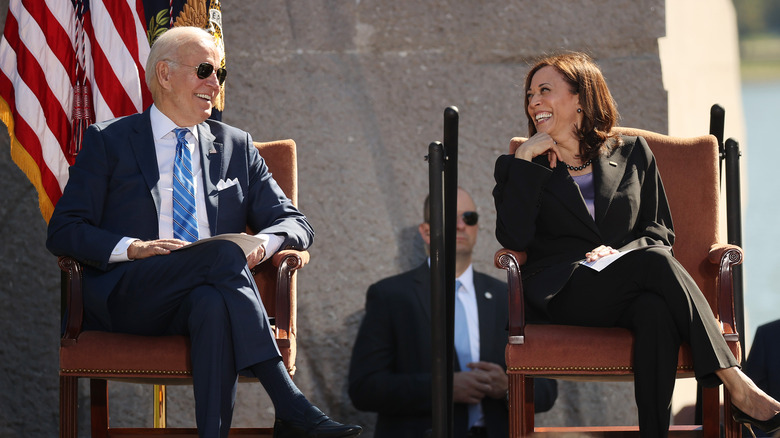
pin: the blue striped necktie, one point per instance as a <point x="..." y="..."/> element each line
<point x="185" y="219"/>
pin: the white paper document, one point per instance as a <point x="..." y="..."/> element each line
<point x="247" y="242"/>
<point x="603" y="262"/>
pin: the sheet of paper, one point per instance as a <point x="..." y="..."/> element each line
<point x="248" y="243"/>
<point x="603" y="262"/>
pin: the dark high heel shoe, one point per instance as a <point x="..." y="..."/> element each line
<point x="769" y="426"/>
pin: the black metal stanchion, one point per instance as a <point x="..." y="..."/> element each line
<point x="734" y="231"/>
<point x="443" y="192"/>
<point x="730" y="153"/>
<point x="440" y="388"/>
<point x="450" y="230"/>
<point x="717" y="123"/>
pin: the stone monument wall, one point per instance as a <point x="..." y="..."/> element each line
<point x="361" y="86"/>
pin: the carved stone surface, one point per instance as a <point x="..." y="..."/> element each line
<point x="361" y="86"/>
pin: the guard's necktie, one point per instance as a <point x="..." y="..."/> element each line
<point x="463" y="347"/>
<point x="185" y="219"/>
<point x="462" y="343"/>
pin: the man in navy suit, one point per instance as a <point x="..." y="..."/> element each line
<point x="119" y="216"/>
<point x="390" y="370"/>
<point x="763" y="363"/>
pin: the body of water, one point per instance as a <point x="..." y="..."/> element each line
<point x="761" y="203"/>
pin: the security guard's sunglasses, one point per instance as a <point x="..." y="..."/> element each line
<point x="204" y="70"/>
<point x="470" y="218"/>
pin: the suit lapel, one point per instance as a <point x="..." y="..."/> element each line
<point x="213" y="170"/>
<point x="562" y="186"/>
<point x="142" y="143"/>
<point x="608" y="171"/>
<point x="422" y="285"/>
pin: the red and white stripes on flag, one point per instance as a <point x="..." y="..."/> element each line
<point x="65" y="64"/>
<point x="38" y="74"/>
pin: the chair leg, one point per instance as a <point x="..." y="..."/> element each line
<point x="98" y="400"/>
<point x="528" y="406"/>
<point x="515" y="406"/>
<point x="160" y="407"/>
<point x="521" y="399"/>
<point x="69" y="407"/>
<point x="731" y="428"/>
<point x="710" y="412"/>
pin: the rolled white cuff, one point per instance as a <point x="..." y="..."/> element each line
<point x="119" y="254"/>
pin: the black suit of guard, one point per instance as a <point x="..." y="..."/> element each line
<point x="390" y="370"/>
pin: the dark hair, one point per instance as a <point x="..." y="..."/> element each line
<point x="599" y="110"/>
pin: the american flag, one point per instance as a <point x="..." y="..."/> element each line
<point x="66" y="64"/>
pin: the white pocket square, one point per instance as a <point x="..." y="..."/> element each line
<point x="222" y="184"/>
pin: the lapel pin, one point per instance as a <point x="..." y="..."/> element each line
<point x="488" y="295"/>
<point x="613" y="164"/>
<point x="212" y="151"/>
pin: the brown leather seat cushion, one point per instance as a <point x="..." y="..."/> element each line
<point x="118" y="355"/>
<point x="579" y="353"/>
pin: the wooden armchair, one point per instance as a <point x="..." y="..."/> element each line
<point x="689" y="168"/>
<point x="165" y="360"/>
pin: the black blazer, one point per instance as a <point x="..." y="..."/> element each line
<point x="541" y="211"/>
<point x="390" y="369"/>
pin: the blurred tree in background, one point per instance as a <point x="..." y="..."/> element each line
<point x="758" y="17"/>
<point x="758" y="22"/>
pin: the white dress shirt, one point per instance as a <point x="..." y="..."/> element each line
<point x="165" y="148"/>
<point x="468" y="296"/>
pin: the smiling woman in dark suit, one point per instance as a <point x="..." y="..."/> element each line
<point x="575" y="190"/>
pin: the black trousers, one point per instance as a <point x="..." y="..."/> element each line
<point x="206" y="292"/>
<point x="649" y="292"/>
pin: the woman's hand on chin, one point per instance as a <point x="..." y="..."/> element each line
<point x="540" y="143"/>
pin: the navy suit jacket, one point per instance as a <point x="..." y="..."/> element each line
<point x="763" y="362"/>
<point x="390" y="369"/>
<point x="113" y="192"/>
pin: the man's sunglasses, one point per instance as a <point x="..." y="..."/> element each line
<point x="470" y="218"/>
<point x="204" y="70"/>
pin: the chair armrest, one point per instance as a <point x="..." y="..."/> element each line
<point x="72" y="299"/>
<point x="287" y="262"/>
<point x="511" y="262"/>
<point x="726" y="257"/>
<point x="299" y="260"/>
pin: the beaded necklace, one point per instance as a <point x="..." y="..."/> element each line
<point x="578" y="168"/>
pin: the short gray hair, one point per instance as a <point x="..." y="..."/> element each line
<point x="166" y="46"/>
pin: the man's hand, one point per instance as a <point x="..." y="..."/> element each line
<point x="140" y="249"/>
<point x="498" y="380"/>
<point x="255" y="257"/>
<point x="469" y="386"/>
<point x="485" y="379"/>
